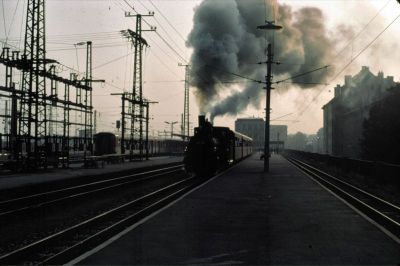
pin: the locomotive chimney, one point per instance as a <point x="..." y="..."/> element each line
<point x="202" y="120"/>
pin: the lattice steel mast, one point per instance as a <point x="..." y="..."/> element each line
<point x="32" y="122"/>
<point x="33" y="108"/>
<point x="136" y="103"/>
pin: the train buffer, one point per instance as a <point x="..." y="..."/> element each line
<point x="246" y="216"/>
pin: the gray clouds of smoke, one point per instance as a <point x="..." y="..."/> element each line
<point x="225" y="39"/>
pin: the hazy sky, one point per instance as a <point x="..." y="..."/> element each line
<point x="69" y="22"/>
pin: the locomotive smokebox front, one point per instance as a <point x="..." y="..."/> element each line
<point x="202" y="120"/>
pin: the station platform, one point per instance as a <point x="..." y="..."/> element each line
<point x="75" y="171"/>
<point x="245" y="216"/>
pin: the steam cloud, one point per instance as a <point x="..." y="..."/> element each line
<point x="225" y="39"/>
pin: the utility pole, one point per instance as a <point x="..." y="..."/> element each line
<point x="137" y="110"/>
<point x="53" y="95"/>
<point x="268" y="81"/>
<point x="95" y="122"/>
<point x="182" y="126"/>
<point x="124" y="97"/>
<point x="147" y="131"/>
<point x="13" y="126"/>
<point x="267" y="109"/>
<point x="6" y="116"/>
<point x="123" y="124"/>
<point x="88" y="100"/>
<point x="147" y="105"/>
<point x="186" y="101"/>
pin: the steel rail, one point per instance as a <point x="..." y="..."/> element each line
<point x="16" y="205"/>
<point x="385" y="202"/>
<point x="381" y="211"/>
<point x="55" y="249"/>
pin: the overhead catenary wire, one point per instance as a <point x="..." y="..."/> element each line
<point x="170" y="38"/>
<point x="163" y="63"/>
<point x="94" y="46"/>
<point x="160" y="25"/>
<point x="300" y="75"/>
<point x="282" y="116"/>
<point x="81" y="73"/>
<point x="167" y="20"/>
<point x="361" y="31"/>
<point x="263" y="82"/>
<point x="12" y="20"/>
<point x="21" y="26"/>
<point x="112" y="60"/>
<point x="353" y="58"/>
<point x="77" y="59"/>
<point x="126" y="65"/>
<point x="4" y="19"/>
<point x="343" y="49"/>
<point x="160" y="36"/>
<point x="172" y="48"/>
<point x="153" y="42"/>
<point x="349" y="63"/>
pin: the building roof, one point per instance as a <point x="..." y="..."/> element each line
<point x="250" y="119"/>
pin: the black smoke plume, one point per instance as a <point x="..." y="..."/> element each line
<point x="225" y="40"/>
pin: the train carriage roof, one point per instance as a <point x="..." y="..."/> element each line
<point x="240" y="135"/>
<point x="236" y="134"/>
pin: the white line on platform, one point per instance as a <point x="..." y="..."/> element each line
<point x="384" y="230"/>
<point x="127" y="230"/>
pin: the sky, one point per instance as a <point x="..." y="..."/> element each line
<point x="350" y="24"/>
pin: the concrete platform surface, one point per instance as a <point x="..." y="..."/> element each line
<point x="24" y="179"/>
<point x="247" y="217"/>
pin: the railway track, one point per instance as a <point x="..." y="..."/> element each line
<point x="384" y="213"/>
<point x="18" y="205"/>
<point x="66" y="244"/>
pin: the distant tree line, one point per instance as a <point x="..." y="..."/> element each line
<point x="306" y="142"/>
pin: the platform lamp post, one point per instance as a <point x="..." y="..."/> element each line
<point x="269" y="25"/>
<point x="172" y="127"/>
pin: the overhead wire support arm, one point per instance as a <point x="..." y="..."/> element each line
<point x="129" y="34"/>
<point x="302" y="74"/>
<point x="23" y="65"/>
<point x="139" y="16"/>
<point x="237" y="75"/>
<point x="273" y="82"/>
<point x="129" y="14"/>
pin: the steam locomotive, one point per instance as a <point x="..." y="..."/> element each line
<point x="214" y="148"/>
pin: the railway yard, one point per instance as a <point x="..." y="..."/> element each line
<point x="159" y="214"/>
<point x="40" y="220"/>
<point x="199" y="132"/>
